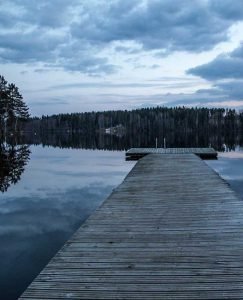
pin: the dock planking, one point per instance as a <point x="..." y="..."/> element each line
<point x="172" y="230"/>
<point x="204" y="153"/>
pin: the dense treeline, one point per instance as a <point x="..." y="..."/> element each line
<point x="196" y="126"/>
<point x="157" y="120"/>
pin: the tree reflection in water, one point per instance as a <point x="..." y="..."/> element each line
<point x="13" y="159"/>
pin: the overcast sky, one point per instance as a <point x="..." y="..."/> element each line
<point x="84" y="55"/>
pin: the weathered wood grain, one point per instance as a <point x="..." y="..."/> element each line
<point x="172" y="230"/>
<point x="204" y="153"/>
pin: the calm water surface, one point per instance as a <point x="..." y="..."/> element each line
<point x="230" y="167"/>
<point x="58" y="190"/>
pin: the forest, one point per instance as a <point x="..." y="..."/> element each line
<point x="121" y="129"/>
<point x="156" y="120"/>
<point x="180" y="126"/>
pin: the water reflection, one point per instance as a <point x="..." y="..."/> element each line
<point x="14" y="153"/>
<point x="58" y="190"/>
<point x="230" y="168"/>
<point x="13" y="159"/>
<point x="116" y="142"/>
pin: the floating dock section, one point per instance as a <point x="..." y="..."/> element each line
<point x="204" y="153"/>
<point x="172" y="230"/>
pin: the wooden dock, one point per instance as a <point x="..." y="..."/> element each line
<point x="204" y="153"/>
<point x="172" y="230"/>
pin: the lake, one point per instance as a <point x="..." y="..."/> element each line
<point x="55" y="191"/>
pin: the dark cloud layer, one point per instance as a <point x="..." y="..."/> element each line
<point x="232" y="88"/>
<point x="228" y="9"/>
<point x="225" y="66"/>
<point x="39" y="32"/>
<point x="172" y="25"/>
<point x="220" y="92"/>
<point x="72" y="34"/>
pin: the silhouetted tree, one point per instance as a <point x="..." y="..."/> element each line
<point x="12" y="107"/>
<point x="13" y="159"/>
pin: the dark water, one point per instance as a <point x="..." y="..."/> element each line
<point x="55" y="190"/>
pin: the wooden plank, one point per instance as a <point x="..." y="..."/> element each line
<point x="172" y="230"/>
<point x="204" y="153"/>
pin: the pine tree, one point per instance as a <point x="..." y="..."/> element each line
<point x="12" y="106"/>
<point x="19" y="110"/>
<point x="4" y="104"/>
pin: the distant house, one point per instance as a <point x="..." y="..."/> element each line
<point x="116" y="130"/>
<point x="108" y="130"/>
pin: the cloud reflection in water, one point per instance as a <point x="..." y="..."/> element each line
<point x="59" y="189"/>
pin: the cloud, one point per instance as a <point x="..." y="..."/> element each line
<point x="87" y="63"/>
<point x="128" y="49"/>
<point x="34" y="46"/>
<point x="222" y="93"/>
<point x="51" y="49"/>
<point x="179" y="25"/>
<point x="227" y="9"/>
<point x="52" y="14"/>
<point x="225" y="66"/>
<point x="204" y="98"/>
<point x="75" y="35"/>
<point x="40" y="33"/>
<point x="50" y="101"/>
<point x="232" y="88"/>
<point x="6" y="20"/>
<point x="105" y="85"/>
<point x="155" y="66"/>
